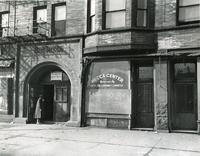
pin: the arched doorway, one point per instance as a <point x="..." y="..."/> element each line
<point x="54" y="84"/>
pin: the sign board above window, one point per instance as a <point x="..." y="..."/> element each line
<point x="56" y="76"/>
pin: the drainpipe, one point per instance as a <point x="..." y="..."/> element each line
<point x="17" y="65"/>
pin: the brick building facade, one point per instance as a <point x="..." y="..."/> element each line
<point x="130" y="64"/>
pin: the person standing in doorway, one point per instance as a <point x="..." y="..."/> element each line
<point x="38" y="109"/>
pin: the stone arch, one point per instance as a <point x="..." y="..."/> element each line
<point x="34" y="75"/>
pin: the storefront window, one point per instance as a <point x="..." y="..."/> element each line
<point x="109" y="75"/>
<point x="108" y="88"/>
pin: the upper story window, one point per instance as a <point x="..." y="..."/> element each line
<point x="91" y="15"/>
<point x="40" y="20"/>
<point x="188" y="11"/>
<point x="141" y="13"/>
<point x="115" y="13"/>
<point x="4" y="23"/>
<point x="59" y="19"/>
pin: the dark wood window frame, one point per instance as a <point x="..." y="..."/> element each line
<point x="35" y="24"/>
<point x="89" y="17"/>
<point x="53" y="18"/>
<point x="178" y="14"/>
<point x="1" y="28"/>
<point x="105" y="12"/>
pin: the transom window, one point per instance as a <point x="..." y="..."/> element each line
<point x="188" y="11"/>
<point x="59" y="19"/>
<point x="115" y="12"/>
<point x="142" y="13"/>
<point x="40" y="20"/>
<point x="4" y="23"/>
<point x="91" y="24"/>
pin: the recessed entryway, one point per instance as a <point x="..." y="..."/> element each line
<point x="53" y="83"/>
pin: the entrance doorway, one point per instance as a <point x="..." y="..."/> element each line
<point x="184" y="96"/>
<point x="142" y="87"/>
<point x="47" y="107"/>
<point x="51" y="82"/>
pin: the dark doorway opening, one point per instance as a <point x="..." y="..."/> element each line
<point x="47" y="107"/>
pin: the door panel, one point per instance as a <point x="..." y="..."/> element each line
<point x="184" y="97"/>
<point x="61" y="103"/>
<point x="143" y="110"/>
<point x="184" y="108"/>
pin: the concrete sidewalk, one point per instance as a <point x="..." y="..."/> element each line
<point x="59" y="140"/>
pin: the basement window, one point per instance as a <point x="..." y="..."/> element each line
<point x="188" y="11"/>
<point x="59" y="19"/>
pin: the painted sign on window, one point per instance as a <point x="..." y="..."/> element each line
<point x="109" y="75"/>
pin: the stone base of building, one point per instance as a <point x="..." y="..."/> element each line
<point x="109" y="121"/>
<point x="6" y="118"/>
<point x="20" y="120"/>
<point x="73" y="123"/>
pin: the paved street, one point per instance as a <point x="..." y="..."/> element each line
<point x="59" y="140"/>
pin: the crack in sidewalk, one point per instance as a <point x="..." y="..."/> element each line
<point x="153" y="147"/>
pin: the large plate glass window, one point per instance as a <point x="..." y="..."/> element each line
<point x="108" y="88"/>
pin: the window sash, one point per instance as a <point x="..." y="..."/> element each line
<point x="92" y="23"/>
<point x="113" y="18"/>
<point x="60" y="28"/>
<point x="4" y="20"/>
<point x="91" y="18"/>
<point x="41" y="16"/>
<point x="142" y="4"/>
<point x="188" y="2"/>
<point x="142" y="18"/>
<point x="189" y="11"/>
<point x="92" y="7"/>
<point x="187" y="14"/>
<point x="112" y="5"/>
<point x="115" y="11"/>
<point x="60" y="13"/>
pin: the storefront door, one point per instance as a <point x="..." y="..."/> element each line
<point x="61" y="102"/>
<point x="184" y="97"/>
<point x="143" y="110"/>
